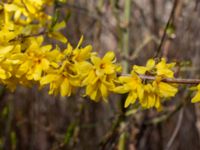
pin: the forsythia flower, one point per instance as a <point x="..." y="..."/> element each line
<point x="4" y="74"/>
<point x="150" y="98"/>
<point x="37" y="59"/>
<point x="149" y="94"/>
<point x="164" y="69"/>
<point x="61" y="80"/>
<point x="196" y="98"/>
<point x="29" y="9"/>
<point x="68" y="76"/>
<point x="142" y="70"/>
<point x="55" y="34"/>
<point x="153" y="93"/>
<point x="132" y="85"/>
<point x="101" y="76"/>
<point x="165" y="90"/>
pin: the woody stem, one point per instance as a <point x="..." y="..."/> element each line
<point x="172" y="80"/>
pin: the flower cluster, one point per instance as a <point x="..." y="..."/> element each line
<point x="23" y="58"/>
<point x="26" y="60"/>
<point x="148" y="93"/>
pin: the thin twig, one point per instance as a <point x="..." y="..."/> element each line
<point x="78" y="7"/>
<point x="176" y="130"/>
<point x="20" y="37"/>
<point x="140" y="47"/>
<point x="165" y="30"/>
<point x="113" y="133"/>
<point x="169" y="80"/>
<point x="196" y="5"/>
<point x="137" y="6"/>
<point x="165" y="117"/>
<point x="173" y="80"/>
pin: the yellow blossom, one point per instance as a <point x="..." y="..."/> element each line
<point x="101" y="76"/>
<point x="55" y="34"/>
<point x="149" y="94"/>
<point x="196" y="98"/>
<point x="62" y="80"/>
<point x="166" y="90"/>
<point x="142" y="70"/>
<point x="150" y="98"/>
<point x="132" y="85"/>
<point x="37" y="59"/>
<point x="164" y="69"/>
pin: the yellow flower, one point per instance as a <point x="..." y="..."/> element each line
<point x="5" y="51"/>
<point x="79" y="58"/>
<point x="8" y="32"/>
<point x="11" y="83"/>
<point x="7" y="61"/>
<point x="55" y="34"/>
<point x="105" y="65"/>
<point x="58" y="83"/>
<point x="150" y="98"/>
<point x="132" y="85"/>
<point x="164" y="69"/>
<point x="73" y="69"/>
<point x="149" y="95"/>
<point x="101" y="76"/>
<point x="78" y="54"/>
<point x="161" y="69"/>
<point x="154" y="92"/>
<point x="19" y="10"/>
<point x="4" y="74"/>
<point x="26" y="11"/>
<point x="142" y="70"/>
<point x="196" y="98"/>
<point x="62" y="80"/>
<point x="166" y="90"/>
<point x="37" y="59"/>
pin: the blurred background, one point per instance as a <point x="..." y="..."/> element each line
<point x="135" y="30"/>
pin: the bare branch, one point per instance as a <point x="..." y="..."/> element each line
<point x="176" y="130"/>
<point x="166" y="27"/>
<point x="170" y="80"/>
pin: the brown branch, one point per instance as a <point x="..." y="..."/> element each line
<point x="114" y="132"/>
<point x="21" y="36"/>
<point x="176" y="130"/>
<point x="166" y="116"/>
<point x="196" y="5"/>
<point x="137" y="50"/>
<point x="165" y="30"/>
<point x="173" y="80"/>
<point x="169" y="80"/>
